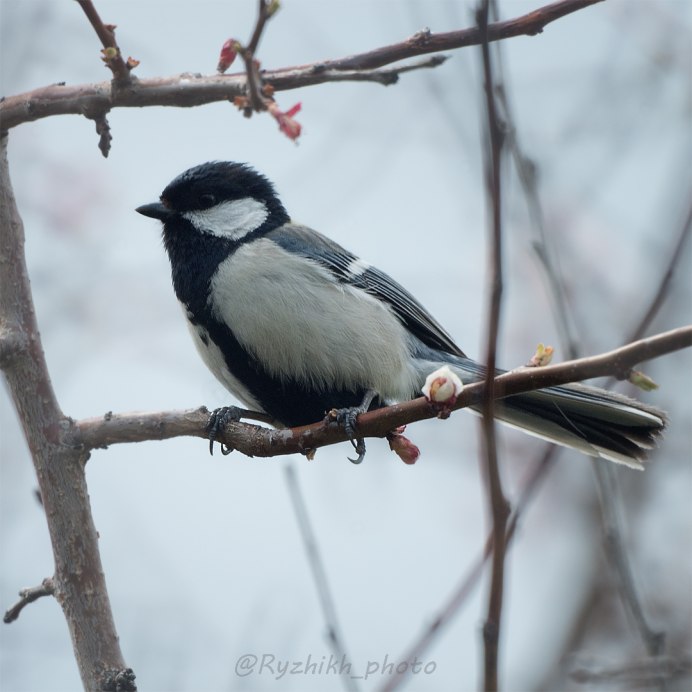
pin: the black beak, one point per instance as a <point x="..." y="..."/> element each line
<point x="156" y="210"/>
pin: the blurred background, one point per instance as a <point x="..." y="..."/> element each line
<point x="203" y="555"/>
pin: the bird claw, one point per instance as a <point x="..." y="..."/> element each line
<point x="347" y="418"/>
<point x="218" y="420"/>
<point x="359" y="446"/>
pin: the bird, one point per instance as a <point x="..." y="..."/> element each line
<point x="295" y="326"/>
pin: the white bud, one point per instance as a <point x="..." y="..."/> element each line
<point x="442" y="386"/>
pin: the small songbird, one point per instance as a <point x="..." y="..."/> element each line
<point x="294" y="325"/>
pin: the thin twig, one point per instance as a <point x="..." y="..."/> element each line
<point x="610" y="500"/>
<point x="454" y="604"/>
<point x="498" y="504"/>
<point x="638" y="675"/>
<point x="46" y="588"/>
<point x="664" y="286"/>
<point x="526" y="170"/>
<point x="336" y="640"/>
<point x="112" y="55"/>
<point x="609" y="490"/>
<point x="606" y="480"/>
<point x="256" y="101"/>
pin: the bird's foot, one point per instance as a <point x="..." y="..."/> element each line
<point x="218" y="420"/>
<point x="347" y="418"/>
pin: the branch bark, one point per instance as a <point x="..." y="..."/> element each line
<point x="253" y="440"/>
<point x="79" y="584"/>
<point x="498" y="505"/>
<point x="188" y="90"/>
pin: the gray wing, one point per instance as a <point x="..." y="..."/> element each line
<point x="347" y="268"/>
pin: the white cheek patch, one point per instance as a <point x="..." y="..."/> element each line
<point x="233" y="219"/>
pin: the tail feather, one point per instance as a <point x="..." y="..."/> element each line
<point x="594" y="421"/>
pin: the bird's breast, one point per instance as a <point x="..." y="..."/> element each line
<point x="301" y="324"/>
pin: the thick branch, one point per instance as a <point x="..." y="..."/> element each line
<point x="188" y="90"/>
<point x="79" y="583"/>
<point x="254" y="440"/>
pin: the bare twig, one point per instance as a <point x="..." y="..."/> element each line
<point x="111" y="54"/>
<point x="336" y="640"/>
<point x="453" y="605"/>
<point x="664" y="285"/>
<point x="608" y="487"/>
<point x="253" y="440"/>
<point x="425" y="42"/>
<point x="609" y="490"/>
<point x="256" y="102"/>
<point x="498" y="504"/>
<point x="606" y="480"/>
<point x="526" y="170"/>
<point x="610" y="500"/>
<point x="644" y="674"/>
<point x="27" y="596"/>
<point x="193" y="90"/>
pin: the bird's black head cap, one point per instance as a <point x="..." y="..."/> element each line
<point x="210" y="183"/>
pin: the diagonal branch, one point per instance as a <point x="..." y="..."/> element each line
<point x="452" y="605"/>
<point x="425" y="42"/>
<point x="189" y="90"/>
<point x="253" y="440"/>
<point x="336" y="639"/>
<point x="111" y="54"/>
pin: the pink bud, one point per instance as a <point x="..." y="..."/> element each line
<point x="290" y="127"/>
<point x="402" y="446"/>
<point x="229" y="50"/>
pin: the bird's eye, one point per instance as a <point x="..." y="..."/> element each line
<point x="207" y="199"/>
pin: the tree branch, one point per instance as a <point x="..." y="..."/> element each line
<point x="336" y="639"/>
<point x="46" y="588"/>
<point x="451" y="607"/>
<point x="111" y="54"/>
<point x="79" y="584"/>
<point x="498" y="505"/>
<point x="253" y="440"/>
<point x="255" y="102"/>
<point x="188" y="90"/>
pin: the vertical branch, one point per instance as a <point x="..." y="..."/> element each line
<point x="78" y="583"/>
<point x="336" y="639"/>
<point x="499" y="507"/>
<point x="607" y="485"/>
<point x="265" y="10"/>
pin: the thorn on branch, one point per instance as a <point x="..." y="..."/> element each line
<point x="29" y="596"/>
